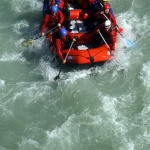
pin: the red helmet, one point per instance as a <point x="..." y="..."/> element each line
<point x="106" y="6"/>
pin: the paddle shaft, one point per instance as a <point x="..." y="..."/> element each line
<point x="104" y="41"/>
<point x="109" y="48"/>
<point x="45" y="33"/>
<point x="57" y="77"/>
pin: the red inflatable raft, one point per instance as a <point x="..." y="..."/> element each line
<point x="85" y="53"/>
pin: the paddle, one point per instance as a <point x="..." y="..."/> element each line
<point x="57" y="77"/>
<point x="128" y="42"/>
<point x="105" y="41"/>
<point x="30" y="41"/>
<point x="109" y="48"/>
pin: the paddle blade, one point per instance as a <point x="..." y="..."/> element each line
<point x="53" y="60"/>
<point x="57" y="77"/>
<point x="129" y="43"/>
<point x="29" y="42"/>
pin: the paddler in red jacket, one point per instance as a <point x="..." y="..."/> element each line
<point x="102" y="3"/>
<point x="109" y="33"/>
<point x="62" y="40"/>
<point x="53" y="18"/>
<point x="102" y="15"/>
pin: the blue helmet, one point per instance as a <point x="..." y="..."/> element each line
<point x="54" y="8"/>
<point x="62" y="32"/>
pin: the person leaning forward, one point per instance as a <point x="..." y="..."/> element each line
<point x="102" y="15"/>
<point x="62" y="40"/>
<point x="53" y="18"/>
<point x="102" y="3"/>
<point x="109" y="33"/>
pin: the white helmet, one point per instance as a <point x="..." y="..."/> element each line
<point x="107" y="23"/>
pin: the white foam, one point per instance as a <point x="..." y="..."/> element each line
<point x="109" y="106"/>
<point x="79" y="74"/>
<point x="28" y="144"/>
<point x="145" y="74"/>
<point x="26" y="5"/>
<point x="62" y="136"/>
<point x="134" y="27"/>
<point x="8" y="57"/>
<point x="127" y="144"/>
<point x="19" y="25"/>
<point x="2" y="83"/>
<point x="125" y="21"/>
<point x="114" y="115"/>
<point x="69" y="132"/>
<point x="46" y="70"/>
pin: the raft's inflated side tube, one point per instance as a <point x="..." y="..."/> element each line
<point x="61" y="4"/>
<point x="99" y="54"/>
<point x="79" y="14"/>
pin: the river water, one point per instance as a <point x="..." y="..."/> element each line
<point x="102" y="108"/>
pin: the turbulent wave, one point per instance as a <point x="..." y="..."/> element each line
<point x="101" y="108"/>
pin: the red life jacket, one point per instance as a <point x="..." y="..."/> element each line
<point x="54" y="18"/>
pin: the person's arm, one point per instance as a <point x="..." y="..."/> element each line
<point x="46" y="19"/>
<point x="97" y="15"/>
<point x="113" y="37"/>
<point x="61" y="17"/>
<point x="98" y="28"/>
<point x="113" y="20"/>
<point x="70" y="35"/>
